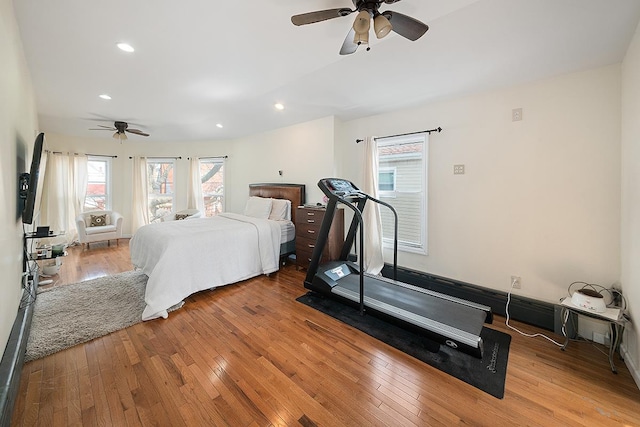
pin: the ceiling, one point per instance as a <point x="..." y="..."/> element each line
<point x="199" y="63"/>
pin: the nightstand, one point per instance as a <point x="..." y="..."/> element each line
<point x="308" y="223"/>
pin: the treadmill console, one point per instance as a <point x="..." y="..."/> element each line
<point x="340" y="188"/>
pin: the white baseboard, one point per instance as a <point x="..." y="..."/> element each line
<point x="635" y="373"/>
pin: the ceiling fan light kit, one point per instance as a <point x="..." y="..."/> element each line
<point x="381" y="26"/>
<point x="361" y="38"/>
<point x="383" y="23"/>
<point x="121" y="128"/>
<point x="362" y="22"/>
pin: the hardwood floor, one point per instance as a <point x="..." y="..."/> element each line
<point x="249" y="355"/>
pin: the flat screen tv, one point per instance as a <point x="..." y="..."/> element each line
<point x="29" y="181"/>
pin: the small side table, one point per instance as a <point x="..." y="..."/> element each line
<point x="613" y="316"/>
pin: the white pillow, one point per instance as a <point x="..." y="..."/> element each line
<point x="258" y="207"/>
<point x="280" y="210"/>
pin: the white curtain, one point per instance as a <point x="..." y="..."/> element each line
<point x="80" y="181"/>
<point x="194" y="189"/>
<point x="140" y="202"/>
<point x="63" y="193"/>
<point x="55" y="191"/>
<point x="373" y="256"/>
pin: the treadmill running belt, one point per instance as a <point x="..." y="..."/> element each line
<point x="447" y="312"/>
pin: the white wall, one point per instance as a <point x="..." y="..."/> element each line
<point x="540" y="197"/>
<point x="630" y="228"/>
<point x="303" y="152"/>
<point x="18" y="123"/>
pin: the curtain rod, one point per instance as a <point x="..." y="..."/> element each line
<point x="86" y="154"/>
<point x="438" y="129"/>
<point x="211" y="157"/>
<point x="160" y="157"/>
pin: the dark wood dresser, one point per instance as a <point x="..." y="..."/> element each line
<point x="308" y="222"/>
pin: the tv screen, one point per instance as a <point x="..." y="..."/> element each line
<point x="21" y="168"/>
<point x="29" y="182"/>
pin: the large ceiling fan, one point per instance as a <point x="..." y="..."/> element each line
<point x="121" y="128"/>
<point x="383" y="23"/>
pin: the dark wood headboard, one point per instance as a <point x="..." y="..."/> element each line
<point x="293" y="192"/>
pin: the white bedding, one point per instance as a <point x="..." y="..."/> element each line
<point x="184" y="257"/>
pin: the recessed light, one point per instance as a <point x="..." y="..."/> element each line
<point x="279" y="106"/>
<point x="126" y="47"/>
<point x="219" y="125"/>
<point x="105" y="96"/>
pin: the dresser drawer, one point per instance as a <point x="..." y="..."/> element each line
<point x="305" y="243"/>
<point x="303" y="257"/>
<point x="308" y="230"/>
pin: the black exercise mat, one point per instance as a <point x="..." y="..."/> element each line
<point x="487" y="374"/>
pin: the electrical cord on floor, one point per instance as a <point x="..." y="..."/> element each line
<point x="524" y="333"/>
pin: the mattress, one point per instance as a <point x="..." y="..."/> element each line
<point x="288" y="231"/>
<point x="287" y="237"/>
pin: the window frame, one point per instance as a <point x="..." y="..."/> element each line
<point x="150" y="195"/>
<point x="422" y="247"/>
<point x="394" y="171"/>
<point x="108" y="168"/>
<point x="215" y="160"/>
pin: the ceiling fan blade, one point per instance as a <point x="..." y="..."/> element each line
<point x="406" y="26"/>
<point x="321" y="15"/>
<point x="137" y="132"/>
<point x="107" y="127"/>
<point x="349" y="46"/>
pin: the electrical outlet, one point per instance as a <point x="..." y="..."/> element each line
<point x="516" y="114"/>
<point x="458" y="169"/>
<point x="515" y="282"/>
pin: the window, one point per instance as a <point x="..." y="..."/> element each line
<point x="402" y="182"/>
<point x="212" y="177"/>
<point x="387" y="179"/>
<point x="98" y="195"/>
<point x="160" y="187"/>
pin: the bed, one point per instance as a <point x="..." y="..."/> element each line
<point x="184" y="257"/>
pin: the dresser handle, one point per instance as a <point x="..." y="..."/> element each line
<point x="311" y="231"/>
<point x="311" y="213"/>
<point x="311" y="246"/>
<point x="311" y="221"/>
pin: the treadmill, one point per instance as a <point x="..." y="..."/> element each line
<point x="442" y="318"/>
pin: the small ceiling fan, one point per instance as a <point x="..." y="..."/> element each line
<point x="383" y="23"/>
<point x="121" y="128"/>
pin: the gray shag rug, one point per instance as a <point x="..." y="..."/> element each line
<point x="67" y="315"/>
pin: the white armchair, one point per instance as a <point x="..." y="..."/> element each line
<point x="98" y="226"/>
